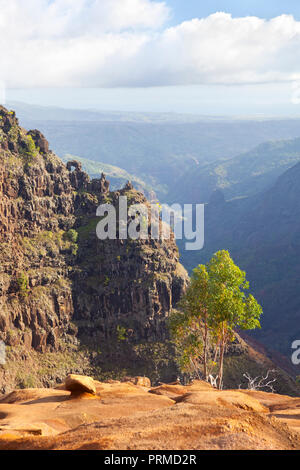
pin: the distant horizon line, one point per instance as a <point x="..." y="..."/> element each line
<point x="212" y="115"/>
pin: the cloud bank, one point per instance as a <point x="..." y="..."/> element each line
<point x="126" y="43"/>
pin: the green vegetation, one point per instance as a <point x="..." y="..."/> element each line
<point x="85" y="230"/>
<point x="47" y="243"/>
<point x="43" y="369"/>
<point x="23" y="284"/>
<point x="157" y="360"/>
<point x="26" y="380"/>
<point x="121" y="333"/>
<point x="71" y="235"/>
<point x="30" y="151"/>
<point x="14" y="133"/>
<point x="214" y="305"/>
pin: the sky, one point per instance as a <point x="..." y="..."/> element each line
<point x="194" y="56"/>
<point x="183" y="10"/>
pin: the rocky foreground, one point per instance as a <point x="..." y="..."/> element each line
<point x="86" y="414"/>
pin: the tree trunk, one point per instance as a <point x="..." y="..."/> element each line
<point x="220" y="379"/>
<point x="205" y="352"/>
<point x="222" y="349"/>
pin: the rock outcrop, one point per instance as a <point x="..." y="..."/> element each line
<point x="80" y="383"/>
<point x="59" y="285"/>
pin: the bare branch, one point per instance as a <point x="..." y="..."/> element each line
<point x="259" y="383"/>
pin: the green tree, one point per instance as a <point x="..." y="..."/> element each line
<point x="230" y="307"/>
<point x="214" y="306"/>
<point x="190" y="325"/>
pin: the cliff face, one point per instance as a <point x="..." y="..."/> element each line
<point x="59" y="285"/>
<point x="134" y="284"/>
<point x="36" y="209"/>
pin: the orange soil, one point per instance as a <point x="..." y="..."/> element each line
<point x="171" y="417"/>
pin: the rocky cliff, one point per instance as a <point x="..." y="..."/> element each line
<point x="62" y="289"/>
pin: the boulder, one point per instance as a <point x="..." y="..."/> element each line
<point x="80" y="383"/>
<point x="128" y="186"/>
<point x="140" y="381"/>
<point x="169" y="390"/>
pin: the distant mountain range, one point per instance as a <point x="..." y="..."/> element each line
<point x="244" y="175"/>
<point x="54" y="113"/>
<point x="262" y="232"/>
<point x="160" y="149"/>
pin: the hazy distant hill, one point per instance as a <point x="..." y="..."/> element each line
<point x="244" y="175"/>
<point x="54" y="113"/>
<point x="158" y="148"/>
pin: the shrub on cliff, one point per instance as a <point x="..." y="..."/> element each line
<point x="23" y="284"/>
<point x="29" y="152"/>
<point x="71" y="235"/>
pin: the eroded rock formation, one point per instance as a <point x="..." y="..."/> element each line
<point x="59" y="284"/>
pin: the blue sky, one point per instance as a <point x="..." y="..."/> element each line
<point x="196" y="56"/>
<point x="187" y="9"/>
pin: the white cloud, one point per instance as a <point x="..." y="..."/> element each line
<point x="222" y="49"/>
<point x="110" y="43"/>
<point x="49" y="19"/>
